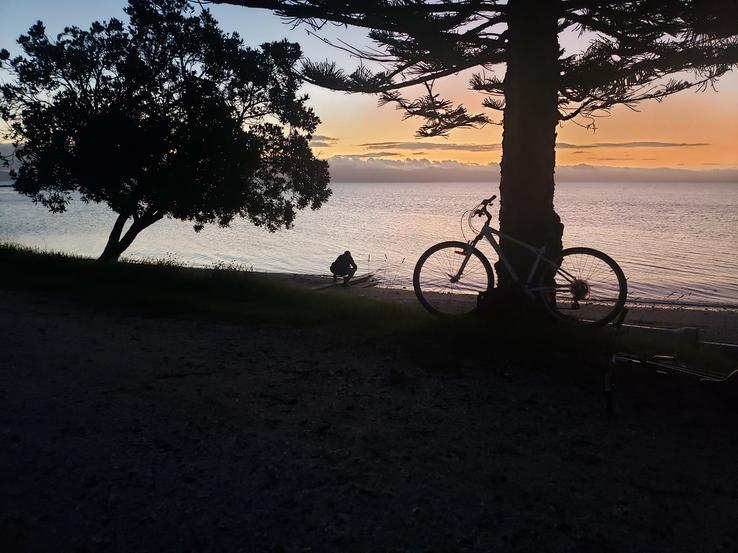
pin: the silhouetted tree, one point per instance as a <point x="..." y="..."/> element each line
<point x="635" y="47"/>
<point x="5" y="157"/>
<point x="165" y="117"/>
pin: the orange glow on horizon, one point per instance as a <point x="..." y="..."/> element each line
<point x="695" y="130"/>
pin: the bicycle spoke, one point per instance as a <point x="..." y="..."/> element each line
<point x="441" y="284"/>
<point x="587" y="287"/>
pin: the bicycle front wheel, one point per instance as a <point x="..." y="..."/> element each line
<point x="587" y="288"/>
<point x="443" y="287"/>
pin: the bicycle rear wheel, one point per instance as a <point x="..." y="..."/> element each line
<point x="587" y="288"/>
<point x="440" y="285"/>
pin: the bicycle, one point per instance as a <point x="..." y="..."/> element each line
<point x="584" y="286"/>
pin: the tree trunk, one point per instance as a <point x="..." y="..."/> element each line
<point x="112" y="250"/>
<point x="529" y="137"/>
<point x="117" y="245"/>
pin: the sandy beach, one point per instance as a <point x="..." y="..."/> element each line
<point x="125" y="433"/>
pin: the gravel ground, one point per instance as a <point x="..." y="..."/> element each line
<point x="130" y="434"/>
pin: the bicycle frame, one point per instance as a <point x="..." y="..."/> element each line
<point x="490" y="234"/>
<point x="565" y="282"/>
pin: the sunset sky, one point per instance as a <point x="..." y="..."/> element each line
<point x="690" y="130"/>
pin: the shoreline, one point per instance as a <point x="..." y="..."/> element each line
<point x="714" y="324"/>
<point x="317" y="279"/>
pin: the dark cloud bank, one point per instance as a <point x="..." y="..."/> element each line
<point x="362" y="169"/>
<point x="375" y="167"/>
<point x="369" y="167"/>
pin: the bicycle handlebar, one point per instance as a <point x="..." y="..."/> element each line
<point x="483" y="210"/>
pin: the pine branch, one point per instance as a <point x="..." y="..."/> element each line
<point x="639" y="45"/>
<point x="440" y="115"/>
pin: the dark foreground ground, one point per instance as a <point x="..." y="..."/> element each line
<point x="121" y="433"/>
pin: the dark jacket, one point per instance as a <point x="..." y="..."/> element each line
<point x="342" y="264"/>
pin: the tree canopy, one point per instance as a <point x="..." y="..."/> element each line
<point x="638" y="50"/>
<point x="167" y="116"/>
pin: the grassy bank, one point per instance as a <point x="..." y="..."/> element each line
<point x="228" y="295"/>
<point x="163" y="289"/>
<point x="234" y="296"/>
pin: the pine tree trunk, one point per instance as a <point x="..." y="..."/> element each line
<point x="529" y="138"/>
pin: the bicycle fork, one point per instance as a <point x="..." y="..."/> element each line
<point x="467" y="255"/>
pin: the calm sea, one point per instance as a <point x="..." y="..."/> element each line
<point x="677" y="243"/>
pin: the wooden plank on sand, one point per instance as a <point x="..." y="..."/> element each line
<point x="354" y="281"/>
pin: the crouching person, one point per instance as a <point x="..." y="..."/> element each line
<point x="343" y="266"/>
